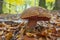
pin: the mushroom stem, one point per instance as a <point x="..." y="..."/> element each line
<point x="31" y="23"/>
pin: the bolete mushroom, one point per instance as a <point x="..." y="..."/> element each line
<point x="35" y="14"/>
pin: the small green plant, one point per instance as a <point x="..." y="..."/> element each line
<point x="50" y="4"/>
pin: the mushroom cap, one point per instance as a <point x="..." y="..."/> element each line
<point x="38" y="13"/>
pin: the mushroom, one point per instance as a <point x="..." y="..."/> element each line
<point x="35" y="14"/>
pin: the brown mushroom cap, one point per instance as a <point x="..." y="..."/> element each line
<point x="36" y="13"/>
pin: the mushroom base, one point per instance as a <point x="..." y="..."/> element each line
<point x="31" y="23"/>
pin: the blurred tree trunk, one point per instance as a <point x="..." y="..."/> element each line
<point x="1" y="3"/>
<point x="42" y="3"/>
<point x="57" y="5"/>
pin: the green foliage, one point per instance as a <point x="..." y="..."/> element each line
<point x="50" y="4"/>
<point x="14" y="8"/>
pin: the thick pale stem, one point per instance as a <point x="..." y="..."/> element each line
<point x="31" y="23"/>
